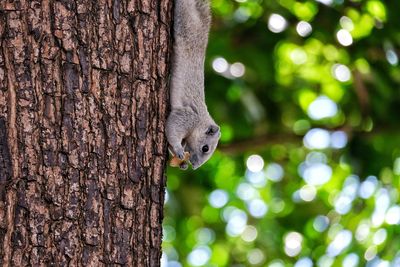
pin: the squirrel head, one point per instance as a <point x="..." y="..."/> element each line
<point x="201" y="143"/>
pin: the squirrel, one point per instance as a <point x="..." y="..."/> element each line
<point x="189" y="126"/>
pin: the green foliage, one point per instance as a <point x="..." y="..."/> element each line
<point x="308" y="170"/>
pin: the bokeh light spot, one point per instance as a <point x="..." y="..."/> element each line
<point x="293" y="243"/>
<point x="237" y="69"/>
<point x="249" y="234"/>
<point x="338" y="139"/>
<point x="255" y="256"/>
<point x="255" y="163"/>
<point x="316" y="157"/>
<point x="343" y="204"/>
<point x="393" y="215"/>
<point x="277" y="263"/>
<point x="362" y="231"/>
<point x="308" y="193"/>
<point x="368" y="187"/>
<point x="298" y="56"/>
<point x="257" y="208"/>
<point x="220" y="65"/>
<point x="379" y="237"/>
<point x="351" y="260"/>
<point x="246" y="192"/>
<point x="344" y="37"/>
<point x="236" y="222"/>
<point x="341" y="72"/>
<point x="346" y="23"/>
<point x="317" y="174"/>
<point x="326" y="2"/>
<point x="218" y="198"/>
<point x="317" y="139"/>
<point x="277" y="23"/>
<point x="322" y="107"/>
<point x="341" y="241"/>
<point x="205" y="236"/>
<point x="392" y="57"/>
<point x="304" y="262"/>
<point x="274" y="172"/>
<point x="370" y="253"/>
<point x="257" y="179"/>
<point x="321" y="223"/>
<point x="303" y="28"/>
<point x="199" y="256"/>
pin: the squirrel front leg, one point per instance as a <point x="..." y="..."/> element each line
<point x="177" y="129"/>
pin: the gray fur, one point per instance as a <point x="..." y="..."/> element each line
<point x="189" y="122"/>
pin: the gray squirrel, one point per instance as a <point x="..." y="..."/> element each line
<point x="190" y="127"/>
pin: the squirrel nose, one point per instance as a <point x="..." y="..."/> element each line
<point x="193" y="159"/>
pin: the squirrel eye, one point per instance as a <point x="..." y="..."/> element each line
<point x="205" y="149"/>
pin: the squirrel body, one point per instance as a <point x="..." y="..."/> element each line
<point x="190" y="127"/>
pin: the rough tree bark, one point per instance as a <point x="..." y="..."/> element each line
<point x="83" y="101"/>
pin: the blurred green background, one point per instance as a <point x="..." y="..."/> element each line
<point x="307" y="94"/>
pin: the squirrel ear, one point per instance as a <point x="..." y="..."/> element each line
<point x="212" y="129"/>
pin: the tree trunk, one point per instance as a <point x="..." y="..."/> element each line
<point x="83" y="102"/>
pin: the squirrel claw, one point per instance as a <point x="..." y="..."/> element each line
<point x="180" y="155"/>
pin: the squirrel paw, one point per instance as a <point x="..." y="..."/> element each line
<point x="180" y="153"/>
